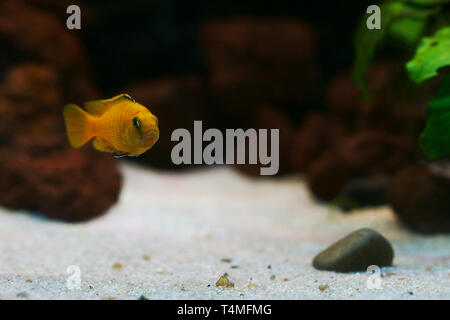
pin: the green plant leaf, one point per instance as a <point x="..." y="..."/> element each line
<point x="366" y="40"/>
<point x="408" y="30"/>
<point x="435" y="139"/>
<point x="433" y="53"/>
<point x="426" y="2"/>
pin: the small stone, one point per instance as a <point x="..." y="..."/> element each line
<point x="224" y="282"/>
<point x="142" y="297"/>
<point x="387" y="275"/>
<point x="323" y="287"/>
<point x="28" y="281"/>
<point x="117" y="266"/>
<point x="22" y="295"/>
<point x="145" y="257"/>
<point x="226" y="260"/>
<point x="160" y="271"/>
<point x="286" y="279"/>
<point x="272" y="277"/>
<point x="234" y="266"/>
<point x="356" y="252"/>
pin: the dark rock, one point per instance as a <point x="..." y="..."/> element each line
<point x="40" y="34"/>
<point x="356" y="252"/>
<point x="396" y="105"/>
<point x="39" y="171"/>
<point x="317" y="133"/>
<point x="365" y="153"/>
<point x="66" y="184"/>
<point x="31" y="33"/>
<point x="364" y="192"/>
<point x="420" y="198"/>
<point x="237" y="48"/>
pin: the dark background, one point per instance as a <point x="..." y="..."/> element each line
<point x="157" y="38"/>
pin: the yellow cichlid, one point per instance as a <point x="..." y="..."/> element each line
<point x="118" y="125"/>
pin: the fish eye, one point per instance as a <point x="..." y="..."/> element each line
<point x="136" y="122"/>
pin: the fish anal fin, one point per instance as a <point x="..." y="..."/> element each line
<point x="102" y="145"/>
<point x="120" y="154"/>
<point x="98" y="107"/>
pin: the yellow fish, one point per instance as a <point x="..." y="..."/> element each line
<point x="118" y="125"/>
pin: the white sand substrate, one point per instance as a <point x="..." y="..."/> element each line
<point x="169" y="233"/>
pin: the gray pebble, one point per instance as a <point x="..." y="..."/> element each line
<point x="355" y="252"/>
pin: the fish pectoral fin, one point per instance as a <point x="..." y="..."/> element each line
<point x="98" y="107"/>
<point x="102" y="145"/>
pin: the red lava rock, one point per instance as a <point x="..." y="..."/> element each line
<point x="39" y="171"/>
<point x="177" y="102"/>
<point x="420" y="198"/>
<point x="317" y="133"/>
<point x="66" y="184"/>
<point x="41" y="34"/>
<point x="236" y="49"/>
<point x="31" y="33"/>
<point x="395" y="105"/>
<point x="29" y="94"/>
<point x="365" y="153"/>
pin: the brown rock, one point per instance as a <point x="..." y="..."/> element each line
<point x="395" y="105"/>
<point x="317" y="133"/>
<point x="31" y="33"/>
<point x="420" y="198"/>
<point x="67" y="184"/>
<point x="365" y="153"/>
<point x="41" y="34"/>
<point x="253" y="61"/>
<point x="39" y="171"/>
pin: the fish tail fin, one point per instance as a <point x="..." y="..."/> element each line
<point x="78" y="125"/>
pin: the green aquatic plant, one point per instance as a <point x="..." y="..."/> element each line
<point x="423" y="26"/>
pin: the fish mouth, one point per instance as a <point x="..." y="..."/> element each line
<point x="152" y="137"/>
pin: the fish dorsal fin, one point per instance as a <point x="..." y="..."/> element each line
<point x="98" y="107"/>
